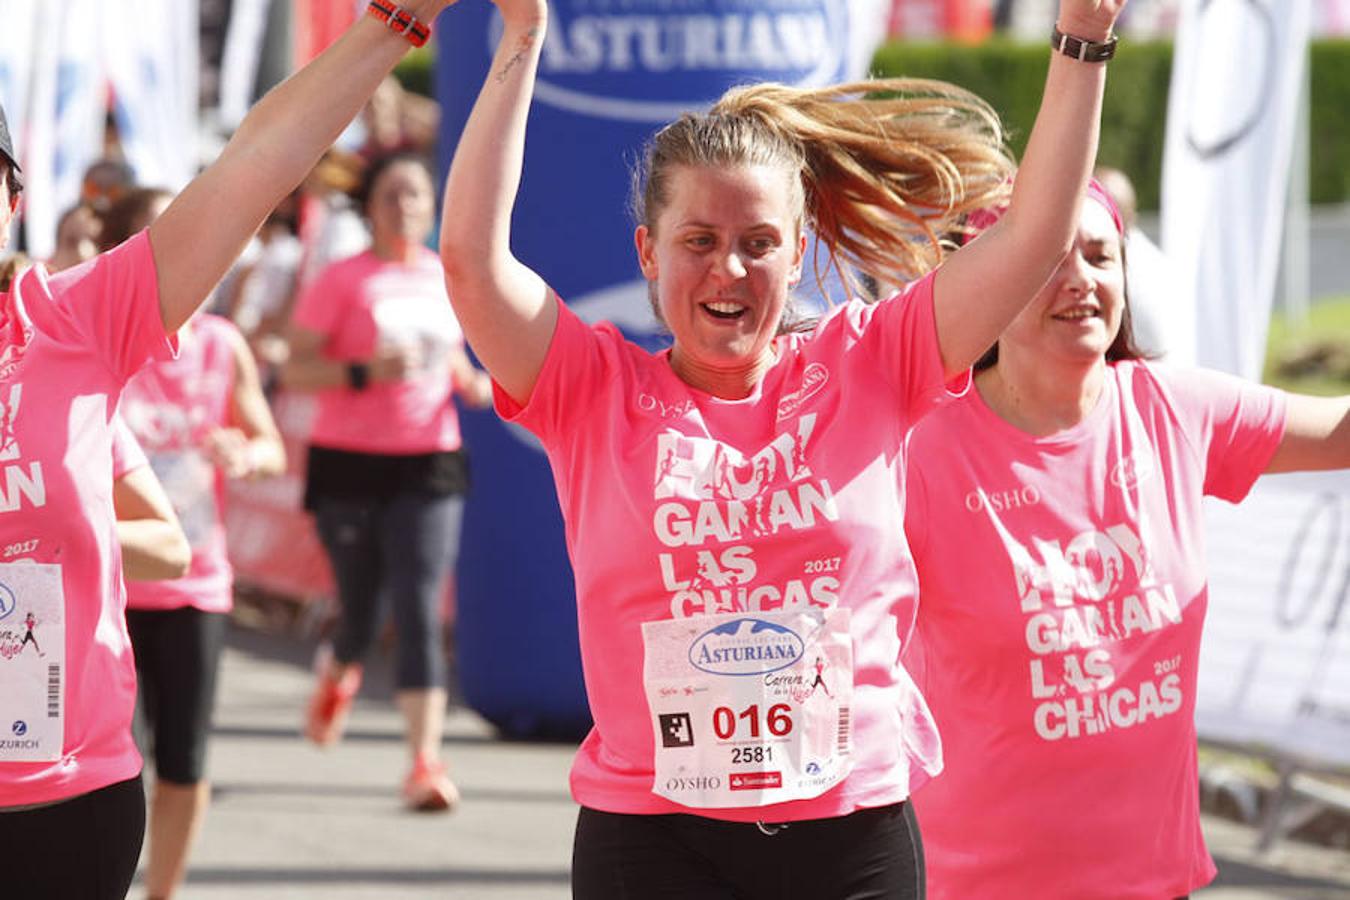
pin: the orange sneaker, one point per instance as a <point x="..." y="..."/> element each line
<point x="332" y="699"/>
<point x="428" y="789"/>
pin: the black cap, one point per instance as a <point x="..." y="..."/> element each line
<point x="7" y="146"/>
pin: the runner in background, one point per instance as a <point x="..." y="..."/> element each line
<point x="201" y="418"/>
<point x="1056" y="518"/>
<point x="374" y="335"/>
<point x="72" y="806"/>
<point x="151" y="539"/>
<point x="77" y="237"/>
<point x="714" y="770"/>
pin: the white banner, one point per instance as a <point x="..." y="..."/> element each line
<point x="239" y="65"/>
<point x="1230" y="133"/>
<point x="1275" y="667"/>
<point x="65" y="117"/>
<point x="151" y="52"/>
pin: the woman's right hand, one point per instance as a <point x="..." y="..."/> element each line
<point x="395" y="362"/>
<point x="1092" y="20"/>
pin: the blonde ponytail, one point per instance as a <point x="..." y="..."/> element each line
<point x="886" y="167"/>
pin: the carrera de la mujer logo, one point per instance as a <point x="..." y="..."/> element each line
<point x="746" y="647"/>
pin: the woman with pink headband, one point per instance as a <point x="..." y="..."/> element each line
<point x="1058" y="638"/>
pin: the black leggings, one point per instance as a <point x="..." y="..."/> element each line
<point x="872" y="854"/>
<point x="177" y="658"/>
<point x="84" y="848"/>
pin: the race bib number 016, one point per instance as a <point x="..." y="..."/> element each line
<point x="749" y="709"/>
<point x="32" y="663"/>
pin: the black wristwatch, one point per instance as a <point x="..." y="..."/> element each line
<point x="358" y="376"/>
<point x="1081" y="48"/>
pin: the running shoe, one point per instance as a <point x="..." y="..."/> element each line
<point x="332" y="699"/>
<point x="428" y="789"/>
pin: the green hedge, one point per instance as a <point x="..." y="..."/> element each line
<point x="416" y="71"/>
<point x="1010" y="76"/>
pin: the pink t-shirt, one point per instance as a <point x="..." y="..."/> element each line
<point x="1062" y="594"/>
<point x="127" y="454"/>
<point x="789" y="495"/>
<point x="171" y="406"/>
<point x="364" y="302"/>
<point x="68" y="343"/>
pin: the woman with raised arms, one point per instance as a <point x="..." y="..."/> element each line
<point x="1055" y="514"/>
<point x="744" y="592"/>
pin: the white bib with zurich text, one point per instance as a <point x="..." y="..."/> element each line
<point x="32" y="662"/>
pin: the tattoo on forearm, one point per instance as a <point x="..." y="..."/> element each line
<point x="522" y="47"/>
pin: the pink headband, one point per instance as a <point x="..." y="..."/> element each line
<point x="1095" y="191"/>
<point x="981" y="219"/>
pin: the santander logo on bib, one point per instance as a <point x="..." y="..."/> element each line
<point x="746" y="647"/>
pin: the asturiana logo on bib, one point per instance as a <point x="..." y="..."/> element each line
<point x="746" y="647"/>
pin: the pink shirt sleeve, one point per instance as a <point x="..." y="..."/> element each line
<point x="899" y="334"/>
<point x="114" y="300"/>
<point x="318" y="307"/>
<point x="578" y="365"/>
<point x="1235" y="425"/>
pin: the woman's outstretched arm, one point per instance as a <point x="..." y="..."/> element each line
<point x="983" y="286"/>
<point x="207" y="225"/>
<point x="507" y="312"/>
<point x="1316" y="435"/>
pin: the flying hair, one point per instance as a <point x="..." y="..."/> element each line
<point x="884" y="167"/>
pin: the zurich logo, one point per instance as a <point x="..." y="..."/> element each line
<point x="7" y="601"/>
<point x="20" y="728"/>
<point x="746" y="647"/>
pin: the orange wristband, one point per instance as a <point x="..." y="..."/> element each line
<point x="400" y="21"/>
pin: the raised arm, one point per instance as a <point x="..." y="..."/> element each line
<point x="507" y="312"/>
<point x="1316" y="435"/>
<point x="983" y="286"/>
<point x="208" y="224"/>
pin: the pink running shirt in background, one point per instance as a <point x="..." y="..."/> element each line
<point x="126" y="450"/>
<point x="360" y="304"/>
<point x="1062" y="594"/>
<point x="171" y="406"/>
